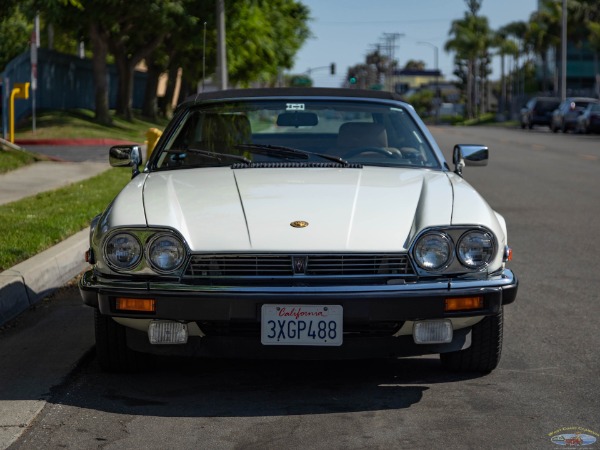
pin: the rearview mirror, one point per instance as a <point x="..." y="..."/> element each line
<point x="297" y="119"/>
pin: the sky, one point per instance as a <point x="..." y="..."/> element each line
<point x="344" y="31"/>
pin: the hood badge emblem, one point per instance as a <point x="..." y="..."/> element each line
<point x="299" y="224"/>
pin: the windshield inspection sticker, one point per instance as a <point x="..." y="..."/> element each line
<point x="294" y="106"/>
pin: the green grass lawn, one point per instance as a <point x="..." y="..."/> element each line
<point x="80" y="124"/>
<point x="13" y="159"/>
<point x="34" y="224"/>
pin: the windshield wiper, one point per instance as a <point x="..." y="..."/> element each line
<point x="215" y="155"/>
<point x="280" y="151"/>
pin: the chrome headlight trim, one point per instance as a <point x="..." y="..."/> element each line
<point x="122" y="251"/>
<point x="455" y="265"/>
<point x="145" y="237"/>
<point x="433" y="251"/>
<point x="165" y="252"/>
<point x="476" y="255"/>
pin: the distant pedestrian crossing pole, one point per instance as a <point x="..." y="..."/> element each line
<point x="20" y="90"/>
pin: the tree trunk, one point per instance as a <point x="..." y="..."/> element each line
<point x="100" y="74"/>
<point x="150" y="107"/>
<point x="167" y="106"/>
<point x="544" y="72"/>
<point x="126" y="63"/>
<point x="125" y="70"/>
<point x="470" y="75"/>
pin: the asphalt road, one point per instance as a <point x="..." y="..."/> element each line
<point x="548" y="383"/>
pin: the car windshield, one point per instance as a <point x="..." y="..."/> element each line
<point x="305" y="131"/>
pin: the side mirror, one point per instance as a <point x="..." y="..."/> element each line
<point x="469" y="155"/>
<point x="126" y="156"/>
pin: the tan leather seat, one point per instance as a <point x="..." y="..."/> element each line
<point x="353" y="135"/>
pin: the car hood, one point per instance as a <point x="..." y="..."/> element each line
<point x="221" y="209"/>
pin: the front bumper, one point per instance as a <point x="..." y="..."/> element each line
<point x="374" y="303"/>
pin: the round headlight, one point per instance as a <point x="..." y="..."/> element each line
<point x="433" y="251"/>
<point x="166" y="253"/>
<point x="475" y="249"/>
<point x="123" y="251"/>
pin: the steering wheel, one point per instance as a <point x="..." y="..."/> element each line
<point x="379" y="150"/>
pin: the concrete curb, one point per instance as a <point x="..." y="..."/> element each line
<point x="74" y="141"/>
<point x="25" y="284"/>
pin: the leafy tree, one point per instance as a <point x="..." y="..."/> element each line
<point x="470" y="40"/>
<point x="381" y="64"/>
<point x="505" y="47"/>
<point x="542" y="34"/>
<point x="415" y="65"/>
<point x="15" y="30"/>
<point x="263" y="37"/>
<point x="422" y="101"/>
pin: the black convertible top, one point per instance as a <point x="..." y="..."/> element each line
<point x="292" y="92"/>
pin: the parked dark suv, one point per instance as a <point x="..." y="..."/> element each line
<point x="538" y="111"/>
<point x="566" y="115"/>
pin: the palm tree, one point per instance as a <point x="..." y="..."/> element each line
<point x="542" y="35"/>
<point x="506" y="47"/>
<point x="471" y="38"/>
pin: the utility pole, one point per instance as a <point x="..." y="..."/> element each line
<point x="221" y="48"/>
<point x="437" y="97"/>
<point x="563" y="53"/>
<point x="389" y="49"/>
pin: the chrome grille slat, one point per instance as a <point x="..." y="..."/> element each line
<point x="318" y="265"/>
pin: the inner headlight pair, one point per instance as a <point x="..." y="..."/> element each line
<point x="164" y="252"/>
<point x="435" y="250"/>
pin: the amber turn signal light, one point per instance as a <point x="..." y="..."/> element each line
<point x="508" y="254"/>
<point x="136" y="304"/>
<point x="463" y="303"/>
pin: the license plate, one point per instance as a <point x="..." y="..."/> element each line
<point x="302" y="325"/>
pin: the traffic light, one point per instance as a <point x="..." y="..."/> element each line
<point x="332" y="68"/>
<point x="352" y="79"/>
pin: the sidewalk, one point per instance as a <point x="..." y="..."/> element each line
<point x="28" y="282"/>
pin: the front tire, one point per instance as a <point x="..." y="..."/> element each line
<point x="485" y="351"/>
<point x="111" y="346"/>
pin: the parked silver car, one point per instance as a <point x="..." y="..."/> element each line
<point x="589" y="121"/>
<point x="566" y="115"/>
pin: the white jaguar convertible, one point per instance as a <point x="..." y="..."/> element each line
<point x="298" y="223"/>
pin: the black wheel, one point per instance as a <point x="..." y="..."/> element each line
<point x="486" y="347"/>
<point x="378" y="150"/>
<point x="111" y="346"/>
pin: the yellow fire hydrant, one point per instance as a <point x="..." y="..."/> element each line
<point x="152" y="136"/>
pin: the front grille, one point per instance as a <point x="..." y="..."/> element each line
<point x="315" y="265"/>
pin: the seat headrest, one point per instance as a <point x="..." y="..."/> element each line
<point x="361" y="134"/>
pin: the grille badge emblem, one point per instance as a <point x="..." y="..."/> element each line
<point x="299" y="263"/>
<point x="299" y="224"/>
